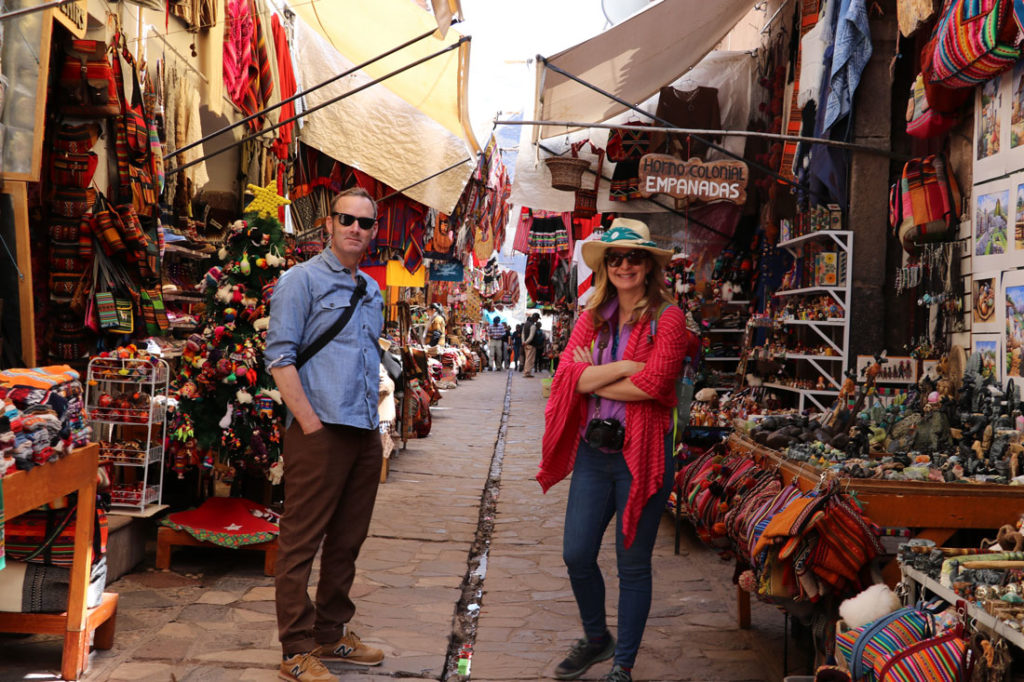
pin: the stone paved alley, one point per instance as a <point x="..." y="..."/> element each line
<point x="212" y="617"/>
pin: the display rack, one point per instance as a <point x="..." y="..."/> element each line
<point x="126" y="400"/>
<point x="834" y="332"/>
<point x="728" y="363"/>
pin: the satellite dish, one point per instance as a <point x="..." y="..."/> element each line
<point x="617" y="10"/>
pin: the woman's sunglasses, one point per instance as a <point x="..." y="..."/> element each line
<point x="347" y="219"/>
<point x="635" y="257"/>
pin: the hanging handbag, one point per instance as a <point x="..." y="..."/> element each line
<point x="924" y="206"/>
<point x="76" y="139"/>
<point x="86" y="81"/>
<point x="975" y="41"/>
<point x="104" y="224"/>
<point x="73" y="169"/>
<point x="586" y="197"/>
<point x="72" y="202"/>
<point x="933" y="109"/>
<point x="131" y="139"/>
<point x="153" y="311"/>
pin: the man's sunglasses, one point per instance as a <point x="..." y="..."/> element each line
<point x="347" y="219"/>
<point x="635" y="257"/>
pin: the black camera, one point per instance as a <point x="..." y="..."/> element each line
<point x="605" y="433"/>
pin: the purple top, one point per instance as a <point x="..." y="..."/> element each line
<point x="612" y="352"/>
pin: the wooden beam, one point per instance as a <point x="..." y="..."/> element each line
<point x="18" y="192"/>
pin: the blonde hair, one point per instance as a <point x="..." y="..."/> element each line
<point x="655" y="294"/>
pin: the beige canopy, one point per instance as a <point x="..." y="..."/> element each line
<point x="633" y="59"/>
<point x="361" y="30"/>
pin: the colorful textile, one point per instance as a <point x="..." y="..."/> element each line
<point x="794" y="121"/>
<point x="237" y="47"/>
<point x="226" y="522"/>
<point x="549" y="235"/>
<point x="850" y="55"/>
<point x="647" y="421"/>
<point x="38" y="377"/>
<point x="288" y="86"/>
<point x="398" y="276"/>
<point x="2" y="561"/>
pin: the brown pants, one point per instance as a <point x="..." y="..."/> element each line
<point x="330" y="485"/>
<point x="530" y="358"/>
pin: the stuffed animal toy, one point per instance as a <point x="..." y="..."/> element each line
<point x="868" y="606"/>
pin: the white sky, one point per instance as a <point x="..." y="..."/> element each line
<point x="506" y="32"/>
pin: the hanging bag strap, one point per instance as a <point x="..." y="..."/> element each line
<point x="339" y="324"/>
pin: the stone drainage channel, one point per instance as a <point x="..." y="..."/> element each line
<point x="467" y="610"/>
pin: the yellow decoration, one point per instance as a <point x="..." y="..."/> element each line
<point x="266" y="200"/>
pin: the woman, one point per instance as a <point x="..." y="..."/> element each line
<point x="436" y="325"/>
<point x="608" y="420"/>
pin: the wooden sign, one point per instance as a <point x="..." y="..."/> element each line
<point x="74" y="15"/>
<point x="693" y="179"/>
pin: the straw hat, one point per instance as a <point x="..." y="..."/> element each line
<point x="623" y="233"/>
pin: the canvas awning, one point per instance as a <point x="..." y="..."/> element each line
<point x="376" y="130"/>
<point x="361" y="30"/>
<point x="633" y="59"/>
<point x="730" y="73"/>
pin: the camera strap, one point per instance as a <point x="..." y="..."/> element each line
<point x="602" y="343"/>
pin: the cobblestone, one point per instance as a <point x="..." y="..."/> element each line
<point x="201" y="622"/>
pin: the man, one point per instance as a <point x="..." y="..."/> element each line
<point x="496" y="344"/>
<point x="517" y="348"/>
<point x="332" y="450"/>
<point x="529" y="350"/>
<point x="539" y="341"/>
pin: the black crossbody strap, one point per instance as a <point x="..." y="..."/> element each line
<point x="339" y="324"/>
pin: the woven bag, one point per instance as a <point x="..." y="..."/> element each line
<point x="975" y="41"/>
<point x="586" y="197"/>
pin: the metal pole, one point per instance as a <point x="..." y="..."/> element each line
<point x="670" y="209"/>
<point x="709" y="143"/>
<point x="297" y="95"/>
<point x="329" y="102"/>
<point x="727" y="133"/>
<point x="420" y="182"/>
<point x="14" y="14"/>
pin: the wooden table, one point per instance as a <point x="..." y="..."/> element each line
<point x="934" y="510"/>
<point x="26" y="490"/>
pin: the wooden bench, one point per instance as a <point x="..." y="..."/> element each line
<point x="167" y="538"/>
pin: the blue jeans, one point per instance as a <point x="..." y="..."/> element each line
<point x="598" y="490"/>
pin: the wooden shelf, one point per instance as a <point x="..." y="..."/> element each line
<point x="26" y="490"/>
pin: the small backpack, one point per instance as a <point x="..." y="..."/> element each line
<point x="925" y="204"/>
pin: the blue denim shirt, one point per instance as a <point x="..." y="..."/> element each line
<point x="342" y="380"/>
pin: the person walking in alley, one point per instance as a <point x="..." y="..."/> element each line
<point x="529" y="350"/>
<point x="327" y="312"/>
<point x="609" y="422"/>
<point x="496" y="344"/>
